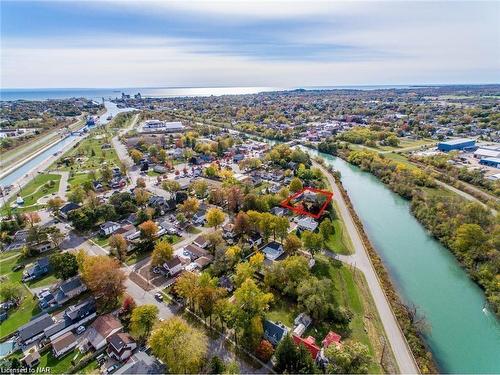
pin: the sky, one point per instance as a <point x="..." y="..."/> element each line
<point x="50" y="44"/>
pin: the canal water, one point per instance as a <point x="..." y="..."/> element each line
<point x="464" y="336"/>
<point x="26" y="168"/>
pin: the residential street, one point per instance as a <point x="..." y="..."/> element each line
<point x="361" y="260"/>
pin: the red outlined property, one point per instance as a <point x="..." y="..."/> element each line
<point x="308" y="201"/>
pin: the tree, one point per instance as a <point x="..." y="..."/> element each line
<point x="104" y="278"/>
<point x="208" y="294"/>
<point x="181" y="347"/>
<point x="315" y="297"/>
<point x="241" y="223"/>
<point x="32" y="218"/>
<point x="55" y="203"/>
<point x="141" y="196"/>
<point x="106" y="174"/>
<point x="140" y="183"/>
<point x="76" y="195"/>
<point x="171" y="186"/>
<point x="142" y="321"/>
<point x="469" y="237"/>
<point x="190" y="207"/>
<point x="148" y="231"/>
<point x="292" y="244"/>
<point x="293" y="359"/>
<point x="252" y="303"/>
<point x="186" y="287"/>
<point x="264" y="351"/>
<point x="326" y="229"/>
<point x="162" y="252"/>
<point x="287" y="274"/>
<point x="234" y="197"/>
<point x="216" y="366"/>
<point x="281" y="226"/>
<point x="295" y="185"/>
<point x="118" y="246"/>
<point x="214" y="239"/>
<point x="348" y="358"/>
<point x="11" y="291"/>
<point x="312" y="241"/>
<point x="200" y="188"/>
<point x="215" y="217"/>
<point x="64" y="265"/>
<point x="136" y="155"/>
<point x="232" y="368"/>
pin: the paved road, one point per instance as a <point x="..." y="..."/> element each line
<point x="361" y="260"/>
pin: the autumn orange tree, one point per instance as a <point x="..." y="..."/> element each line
<point x="118" y="246"/>
<point x="104" y="278"/>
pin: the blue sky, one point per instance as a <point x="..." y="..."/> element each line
<point x="257" y="43"/>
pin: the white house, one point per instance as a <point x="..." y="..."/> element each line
<point x="121" y="346"/>
<point x="63" y="344"/>
<point x="173" y="266"/>
<point x="108" y="228"/>
<point x="307" y="223"/>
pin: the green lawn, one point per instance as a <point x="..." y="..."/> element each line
<point x="91" y="368"/>
<point x="34" y="190"/>
<point x="45" y="281"/>
<point x="101" y="241"/>
<point x="193" y="230"/>
<point x="78" y="179"/>
<point x="350" y="290"/>
<point x="339" y="243"/>
<point x="20" y="316"/>
<point x="136" y="257"/>
<point x="6" y="269"/>
<point x="91" y="154"/>
<point x="400" y="159"/>
<point x="56" y="365"/>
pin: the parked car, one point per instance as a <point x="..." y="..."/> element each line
<point x="111" y="369"/>
<point x="159" y="296"/>
<point x="156" y="270"/>
<point x="80" y="330"/>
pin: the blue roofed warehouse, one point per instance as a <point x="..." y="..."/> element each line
<point x="456" y="144"/>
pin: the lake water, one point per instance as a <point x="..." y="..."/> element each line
<point x="162" y="92"/>
<point x="464" y="337"/>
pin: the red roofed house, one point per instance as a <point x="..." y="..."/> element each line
<point x="331" y="338"/>
<point x="309" y="343"/>
<point x="314" y="349"/>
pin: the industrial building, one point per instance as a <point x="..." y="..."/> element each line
<point x="490" y="162"/>
<point x="157" y="126"/>
<point x="456" y="144"/>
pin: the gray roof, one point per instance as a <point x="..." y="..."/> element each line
<point x="71" y="284"/>
<point x="141" y="363"/>
<point x="35" y="327"/>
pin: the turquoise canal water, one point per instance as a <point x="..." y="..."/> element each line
<point x="464" y="336"/>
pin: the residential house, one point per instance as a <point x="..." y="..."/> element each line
<point x="194" y="252"/>
<point x="39" y="269"/>
<point x="34" y="329"/>
<point x="108" y="228"/>
<point x="32" y="359"/>
<point x="273" y="250"/>
<point x="274" y="332"/>
<point x="255" y="239"/>
<point x="307" y="223"/>
<point x="201" y="241"/>
<point x="121" y="346"/>
<point x="73" y="317"/>
<point x="143" y="364"/>
<point x="173" y="266"/>
<point x="96" y="335"/>
<point x="279" y="211"/>
<point x="69" y="289"/>
<point x="199" y="217"/>
<point x="228" y="231"/>
<point x="67" y="208"/>
<point x="63" y="344"/>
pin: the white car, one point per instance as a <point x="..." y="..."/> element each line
<point x="80" y="330"/>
